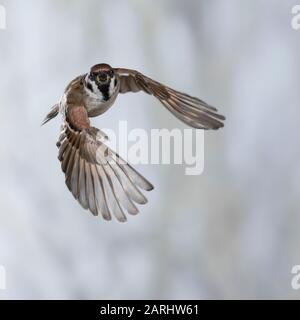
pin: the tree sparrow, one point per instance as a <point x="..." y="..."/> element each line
<point x="96" y="176"/>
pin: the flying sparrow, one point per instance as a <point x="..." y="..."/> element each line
<point x="97" y="176"/>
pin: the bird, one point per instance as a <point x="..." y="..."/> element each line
<point x="98" y="177"/>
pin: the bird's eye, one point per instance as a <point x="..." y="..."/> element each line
<point x="93" y="76"/>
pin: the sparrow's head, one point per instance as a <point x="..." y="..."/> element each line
<point x="101" y="81"/>
<point x="101" y="73"/>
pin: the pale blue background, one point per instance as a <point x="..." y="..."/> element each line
<point x="234" y="231"/>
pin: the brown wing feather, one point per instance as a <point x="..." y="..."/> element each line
<point x="93" y="173"/>
<point x="192" y="111"/>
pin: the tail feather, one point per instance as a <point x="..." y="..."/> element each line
<point x="52" y="114"/>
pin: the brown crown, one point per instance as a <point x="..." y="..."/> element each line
<point x="101" y="67"/>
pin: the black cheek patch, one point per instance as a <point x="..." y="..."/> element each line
<point x="89" y="86"/>
<point x="105" y="91"/>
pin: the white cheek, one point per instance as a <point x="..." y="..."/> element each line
<point x="97" y="94"/>
<point x="111" y="86"/>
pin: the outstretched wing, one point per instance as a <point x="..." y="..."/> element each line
<point x="97" y="177"/>
<point x="192" y="111"/>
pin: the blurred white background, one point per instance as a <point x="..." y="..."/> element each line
<point x="234" y="231"/>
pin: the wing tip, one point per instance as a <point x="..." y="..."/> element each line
<point x="150" y="187"/>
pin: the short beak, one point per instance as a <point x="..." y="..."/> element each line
<point x="102" y="77"/>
